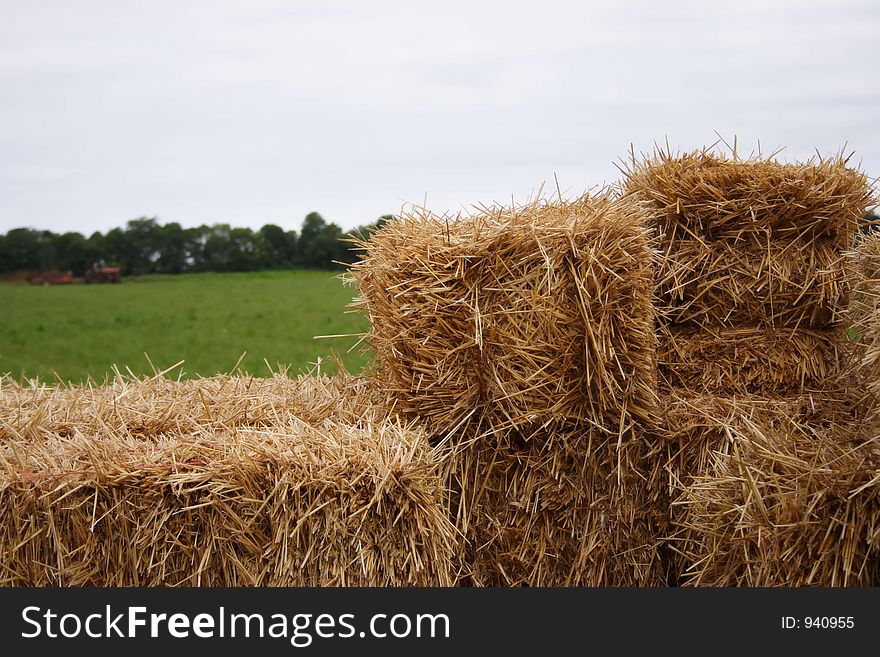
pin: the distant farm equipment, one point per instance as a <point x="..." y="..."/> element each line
<point x="98" y="274"/>
<point x="51" y="278"/>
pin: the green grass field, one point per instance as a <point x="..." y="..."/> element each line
<point x="208" y="320"/>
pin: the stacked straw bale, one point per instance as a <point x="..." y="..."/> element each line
<point x="759" y="360"/>
<point x="523" y="338"/>
<point x="783" y="490"/>
<point x="159" y="406"/>
<point x="557" y="506"/>
<point x="514" y="316"/>
<point x="783" y="493"/>
<point x="864" y="317"/>
<point x="752" y="274"/>
<point x="752" y="286"/>
<point x="228" y="481"/>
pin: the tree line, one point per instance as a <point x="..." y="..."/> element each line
<point x="145" y="246"/>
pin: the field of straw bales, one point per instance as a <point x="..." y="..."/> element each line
<point x="671" y="382"/>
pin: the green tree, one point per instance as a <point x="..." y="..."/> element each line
<point x="194" y="240"/>
<point x="277" y="248"/>
<point x="22" y="247"/>
<point x="217" y="253"/>
<point x="243" y="250"/>
<point x="96" y="247"/>
<point x="143" y="243"/>
<point x="48" y="252"/>
<point x="172" y="249"/>
<point x="230" y="249"/>
<point x="73" y="254"/>
<point x="115" y="249"/>
<point x="313" y="226"/>
<point x="319" y="243"/>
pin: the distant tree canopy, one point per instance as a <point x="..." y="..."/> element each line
<point x="144" y="246"/>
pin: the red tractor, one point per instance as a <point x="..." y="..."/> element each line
<point x="100" y="274"/>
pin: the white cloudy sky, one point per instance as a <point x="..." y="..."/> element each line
<point x="256" y="111"/>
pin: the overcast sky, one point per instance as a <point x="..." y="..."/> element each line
<point x="257" y="111"/>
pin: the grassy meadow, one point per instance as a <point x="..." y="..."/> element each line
<point x="74" y="332"/>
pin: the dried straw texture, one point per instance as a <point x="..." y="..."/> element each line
<point x="159" y="406"/>
<point x="750" y="241"/>
<point x="864" y="318"/>
<point x="283" y="502"/>
<point x="866" y="256"/>
<point x="748" y="359"/>
<point x="556" y="506"/>
<point x="514" y="316"/>
<point x="710" y="196"/>
<point x="700" y="431"/>
<point x="728" y="284"/>
<point x="786" y="506"/>
<point x="695" y="426"/>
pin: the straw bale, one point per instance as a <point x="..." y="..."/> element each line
<point x="287" y="501"/>
<point x="786" y="506"/>
<point x="556" y="506"/>
<point x="516" y="316"/>
<point x="864" y="317"/>
<point x="748" y="358"/>
<point x="724" y="283"/>
<point x="866" y="257"/>
<point x="699" y="429"/>
<point x="695" y="426"/>
<point x="710" y="195"/>
<point x="158" y="406"/>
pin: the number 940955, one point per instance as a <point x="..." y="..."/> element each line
<point x="818" y="622"/>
